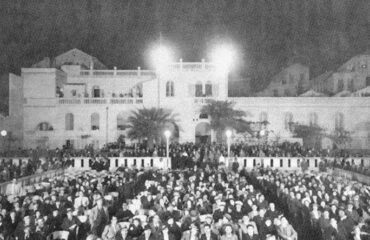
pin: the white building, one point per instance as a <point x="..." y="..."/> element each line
<point x="67" y="104"/>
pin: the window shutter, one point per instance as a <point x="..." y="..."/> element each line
<point x="192" y="90"/>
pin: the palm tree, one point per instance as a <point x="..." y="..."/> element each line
<point x="150" y="123"/>
<point x="223" y="116"/>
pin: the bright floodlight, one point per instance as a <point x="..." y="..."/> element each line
<point x="167" y="133"/>
<point x="263" y="132"/>
<point x="3" y="133"/>
<point x="223" y="57"/>
<point x="228" y="133"/>
<point x="160" y="57"/>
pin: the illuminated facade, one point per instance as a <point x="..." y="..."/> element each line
<point x="69" y="104"/>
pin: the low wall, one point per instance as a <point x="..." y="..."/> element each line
<point x="283" y="163"/>
<point x="137" y="162"/>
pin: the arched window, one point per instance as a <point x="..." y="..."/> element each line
<point x="339" y="121"/>
<point x="44" y="126"/>
<point x="95" y="121"/>
<point x="313" y="119"/>
<point x="208" y="89"/>
<point x="121" y="122"/>
<point x="288" y="119"/>
<point x="69" y="122"/>
<point x="198" y="89"/>
<point x="170" y="91"/>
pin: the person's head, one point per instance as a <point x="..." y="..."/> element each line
<point x="272" y="206"/>
<point x="341" y="213"/>
<point x="124" y="206"/>
<point x="333" y="222"/>
<point x="26" y="220"/>
<point x="136" y="222"/>
<point x="228" y="229"/>
<point x="245" y="219"/>
<point x="268" y="222"/>
<point x="114" y="220"/>
<point x="55" y="212"/>
<point x="38" y="214"/>
<point x="326" y="214"/>
<point x="250" y="229"/>
<point x="207" y="228"/>
<point x="12" y="214"/>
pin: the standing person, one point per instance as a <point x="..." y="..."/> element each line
<point x="99" y="217"/>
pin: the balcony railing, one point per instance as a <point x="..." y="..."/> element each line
<point x="109" y="73"/>
<point x="99" y="101"/>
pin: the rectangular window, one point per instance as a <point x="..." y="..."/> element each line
<point x="272" y="162"/>
<point x="316" y="163"/>
<point x="82" y="163"/>
<point x="281" y="162"/>
<point x="151" y="162"/>
<point x="125" y="162"/>
<point x="254" y="162"/>
<point x="116" y="162"/>
<point x="340" y="85"/>
<point x="289" y="163"/>
<point x="245" y="162"/>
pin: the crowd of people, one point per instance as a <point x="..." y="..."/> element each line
<point x="200" y="151"/>
<point x="320" y="206"/>
<point x="17" y="168"/>
<point x="191" y="204"/>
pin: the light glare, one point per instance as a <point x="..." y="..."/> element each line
<point x="161" y="56"/>
<point x="228" y="133"/>
<point x="223" y="57"/>
<point x="3" y="133"/>
<point x="167" y="133"/>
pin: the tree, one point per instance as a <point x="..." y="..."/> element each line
<point x="310" y="134"/>
<point x="340" y="137"/>
<point x="223" y="116"/>
<point x="149" y="124"/>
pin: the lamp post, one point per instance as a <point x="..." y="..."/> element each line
<point x="167" y="134"/>
<point x="228" y="135"/>
<point x="3" y="134"/>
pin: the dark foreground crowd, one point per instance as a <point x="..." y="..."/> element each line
<point x="146" y="205"/>
<point x="192" y="204"/>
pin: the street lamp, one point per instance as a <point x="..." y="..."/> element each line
<point x="228" y="135"/>
<point x="167" y="134"/>
<point x="3" y="133"/>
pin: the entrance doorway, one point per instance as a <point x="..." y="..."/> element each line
<point x="203" y="133"/>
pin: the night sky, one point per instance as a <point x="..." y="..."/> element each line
<point x="268" y="34"/>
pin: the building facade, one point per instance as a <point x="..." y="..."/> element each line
<point x="51" y="107"/>
<point x="290" y="82"/>
<point x="351" y="76"/>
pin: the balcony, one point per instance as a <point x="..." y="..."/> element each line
<point x="99" y="101"/>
